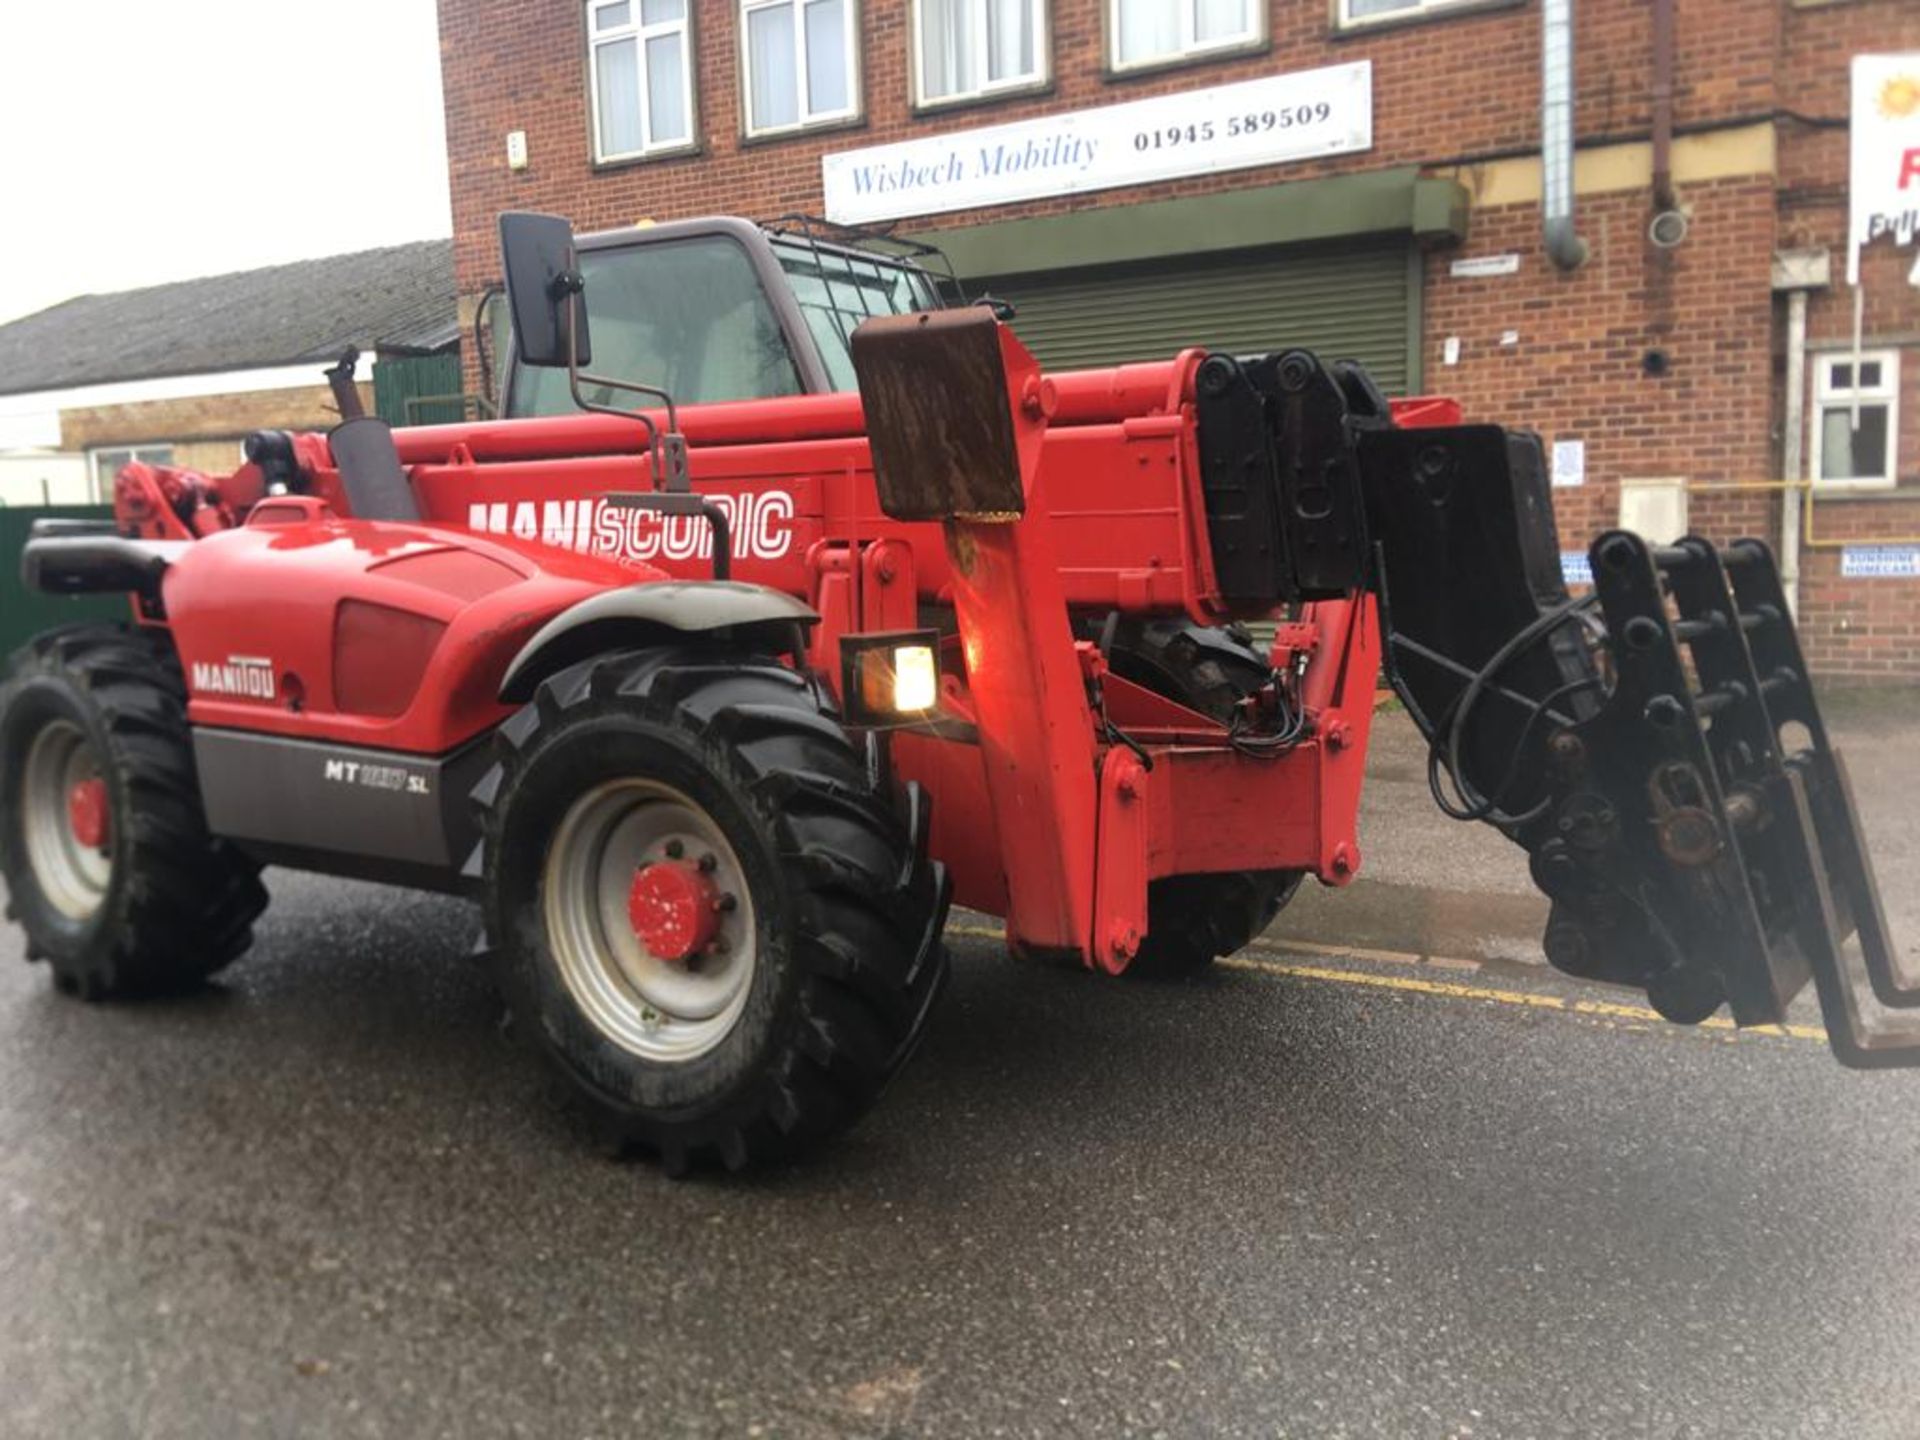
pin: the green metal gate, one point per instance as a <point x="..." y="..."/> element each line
<point x="1357" y="301"/>
<point x="419" y="390"/>
<point x="25" y="613"/>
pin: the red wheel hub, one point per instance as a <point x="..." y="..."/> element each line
<point x="673" y="910"/>
<point x="87" y="813"/>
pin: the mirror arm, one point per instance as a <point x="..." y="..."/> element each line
<point x="668" y="449"/>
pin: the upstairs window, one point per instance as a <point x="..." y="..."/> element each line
<point x="1156" y="32"/>
<point x="968" y="49"/>
<point x="1863" y="453"/>
<point x="641" y="74"/>
<point x="1360" y="12"/>
<point x="800" y="65"/>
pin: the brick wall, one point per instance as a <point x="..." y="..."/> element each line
<point x="1465" y="85"/>
<point x="1868" y="629"/>
<point x="205" y="431"/>
<point x="1459" y="89"/>
<point x="216" y="422"/>
<point x="1577" y="370"/>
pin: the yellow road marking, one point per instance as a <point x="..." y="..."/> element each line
<point x="976" y="932"/>
<point x="1451" y="989"/>
<point x="1384" y="957"/>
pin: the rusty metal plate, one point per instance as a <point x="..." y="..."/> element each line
<point x="939" y="417"/>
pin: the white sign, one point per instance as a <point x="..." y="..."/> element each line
<point x="1227" y="127"/>
<point x="1884" y="176"/>
<point x="1478" y="266"/>
<point x="1569" y="463"/>
<point x="1576" y="567"/>
<point x="1880" y="562"/>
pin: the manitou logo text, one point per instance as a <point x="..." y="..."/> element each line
<point x="247" y="677"/>
<point x="760" y="522"/>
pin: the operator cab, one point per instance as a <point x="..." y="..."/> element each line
<point x="724" y="309"/>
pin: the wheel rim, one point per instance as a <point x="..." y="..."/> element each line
<point x="63" y="817"/>
<point x="650" y="919"/>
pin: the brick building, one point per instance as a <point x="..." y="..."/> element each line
<point x="1361" y="176"/>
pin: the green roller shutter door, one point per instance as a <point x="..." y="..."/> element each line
<point x="1355" y="301"/>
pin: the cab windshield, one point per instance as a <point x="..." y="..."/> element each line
<point x="686" y="315"/>
<point x="691" y="316"/>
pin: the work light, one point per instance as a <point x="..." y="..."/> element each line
<point x="890" y="677"/>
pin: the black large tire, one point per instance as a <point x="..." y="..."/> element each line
<point x="162" y="904"/>
<point x="842" y="908"/>
<point x="1194" y="919"/>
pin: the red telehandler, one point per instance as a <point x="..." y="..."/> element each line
<point x="715" y="699"/>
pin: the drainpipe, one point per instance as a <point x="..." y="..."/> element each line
<point x="1662" y="105"/>
<point x="1796" y="272"/>
<point x="1669" y="225"/>
<point x="1565" y="247"/>
<point x="1792" y="460"/>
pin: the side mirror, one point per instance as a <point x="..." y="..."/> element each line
<point x="543" y="286"/>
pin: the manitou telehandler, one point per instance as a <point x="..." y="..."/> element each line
<point x="715" y="702"/>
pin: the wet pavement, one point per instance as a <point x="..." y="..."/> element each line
<point x="1308" y="1195"/>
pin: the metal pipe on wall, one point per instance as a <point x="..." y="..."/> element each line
<point x="1792" y="447"/>
<point x="1563" y="242"/>
<point x="1662" y="104"/>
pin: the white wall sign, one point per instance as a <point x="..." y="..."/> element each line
<point x="1226" y="127"/>
<point x="1880" y="562"/>
<point x="1655" y="510"/>
<point x="1576" y="567"/>
<point x="1569" y="463"/>
<point x="1884" y="174"/>
<point x="1479" y="266"/>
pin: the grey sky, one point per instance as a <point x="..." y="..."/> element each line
<point x="152" y="140"/>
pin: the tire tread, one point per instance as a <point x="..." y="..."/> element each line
<point x="869" y="903"/>
<point x="185" y="906"/>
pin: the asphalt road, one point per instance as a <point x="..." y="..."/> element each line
<point x="1307" y="1196"/>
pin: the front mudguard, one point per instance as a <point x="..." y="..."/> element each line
<point x="637" y="615"/>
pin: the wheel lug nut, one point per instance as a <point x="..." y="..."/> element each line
<point x="727" y="903"/>
<point x="708" y="862"/>
<point x="675" y="849"/>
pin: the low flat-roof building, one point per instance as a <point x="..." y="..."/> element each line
<point x="180" y="373"/>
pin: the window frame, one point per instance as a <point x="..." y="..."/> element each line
<point x="102" y="486"/>
<point x="991" y="92"/>
<point x="1190" y="52"/>
<point x="639" y="32"/>
<point x="1419" y="12"/>
<point x="1826" y="397"/>
<point x="790" y="248"/>
<point x="854" y="111"/>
